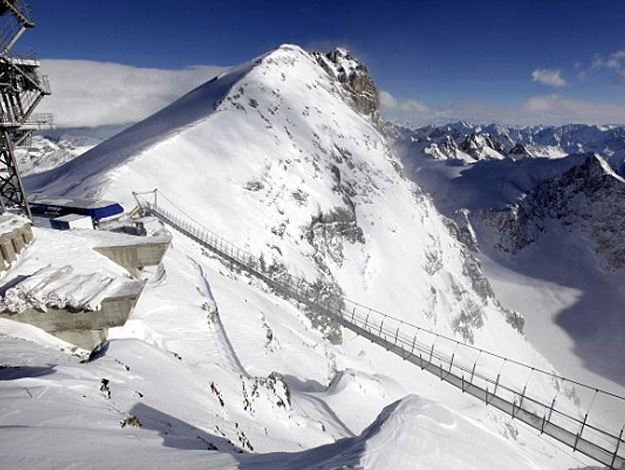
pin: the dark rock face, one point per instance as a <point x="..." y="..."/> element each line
<point x="329" y="231"/>
<point x="520" y="151"/>
<point x="588" y="197"/>
<point x="449" y="146"/>
<point x="474" y="143"/>
<point x="355" y="78"/>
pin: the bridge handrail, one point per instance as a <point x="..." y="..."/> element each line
<point x="384" y="315"/>
<point x="554" y="422"/>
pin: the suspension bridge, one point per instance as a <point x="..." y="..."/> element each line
<point x="575" y="416"/>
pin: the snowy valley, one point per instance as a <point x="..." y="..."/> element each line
<point x="286" y="157"/>
<point x="542" y="208"/>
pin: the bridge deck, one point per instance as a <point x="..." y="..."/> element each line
<point x="484" y="382"/>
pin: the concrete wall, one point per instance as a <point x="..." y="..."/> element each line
<point x="135" y="257"/>
<point x="86" y="339"/>
<point x="12" y="242"/>
<point x="85" y="329"/>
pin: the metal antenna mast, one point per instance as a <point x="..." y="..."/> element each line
<point x="21" y="90"/>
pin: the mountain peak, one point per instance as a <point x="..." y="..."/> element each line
<point x="355" y="78"/>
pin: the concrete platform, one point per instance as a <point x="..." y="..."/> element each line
<point x="137" y="256"/>
<point x="15" y="234"/>
<point x="85" y="329"/>
<point x="87" y="254"/>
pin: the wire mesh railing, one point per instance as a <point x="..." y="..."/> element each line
<point x="21" y="10"/>
<point x="10" y="30"/>
<point x="569" y="411"/>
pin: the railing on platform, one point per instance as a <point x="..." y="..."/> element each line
<point x="18" y="16"/>
<point x="517" y="389"/>
<point x="21" y="10"/>
<point x="34" y="121"/>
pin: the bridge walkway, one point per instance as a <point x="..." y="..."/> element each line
<point x="509" y="386"/>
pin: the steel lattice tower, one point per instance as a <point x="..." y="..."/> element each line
<point x="21" y="90"/>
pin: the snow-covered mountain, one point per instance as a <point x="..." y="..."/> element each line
<point x="284" y="157"/>
<point x="46" y="153"/>
<point x="549" y="230"/>
<point x="466" y="142"/>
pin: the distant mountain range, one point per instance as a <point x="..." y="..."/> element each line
<point x="468" y="142"/>
<point x="544" y="207"/>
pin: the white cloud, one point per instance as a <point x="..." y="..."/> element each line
<point x="390" y="103"/>
<point x="90" y="94"/>
<point x="615" y="62"/>
<point x="550" y="77"/>
<point x="559" y="109"/>
<point x="404" y="109"/>
<point x="542" y="109"/>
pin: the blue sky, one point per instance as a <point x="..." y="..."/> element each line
<point x="435" y="60"/>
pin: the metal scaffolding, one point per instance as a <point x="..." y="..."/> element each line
<point x="21" y="90"/>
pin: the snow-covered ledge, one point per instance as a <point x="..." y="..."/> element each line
<point x="15" y="234"/>
<point x="66" y="286"/>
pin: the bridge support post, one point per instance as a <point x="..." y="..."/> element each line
<point x="451" y="362"/>
<point x="474" y="366"/>
<point x="547" y="418"/>
<point x="525" y="388"/>
<point x="432" y="349"/>
<point x="618" y="445"/>
<point x="499" y="376"/>
<point x="473" y="372"/>
<point x="579" y="434"/>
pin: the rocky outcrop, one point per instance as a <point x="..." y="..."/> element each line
<point x="588" y="197"/>
<point x="355" y="78"/>
<point x="474" y="144"/>
<point x="329" y="231"/>
<point x="519" y="151"/>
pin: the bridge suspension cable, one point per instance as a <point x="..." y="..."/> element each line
<point x="510" y="386"/>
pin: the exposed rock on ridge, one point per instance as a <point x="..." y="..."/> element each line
<point x="355" y="78"/>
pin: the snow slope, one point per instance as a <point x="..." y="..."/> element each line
<point x="283" y="166"/>
<point x="210" y="361"/>
<point x="275" y="157"/>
